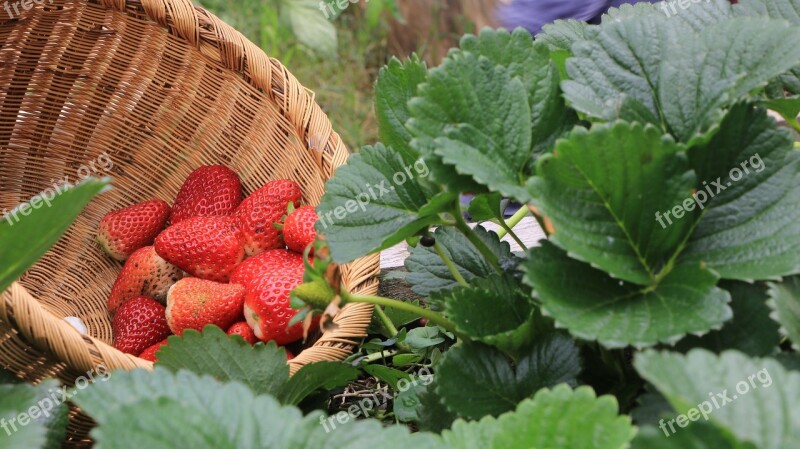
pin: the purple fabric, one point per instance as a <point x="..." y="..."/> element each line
<point x="534" y="14"/>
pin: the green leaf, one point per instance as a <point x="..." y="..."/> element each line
<point x="316" y="376"/>
<point x="28" y="231"/>
<point x="561" y="34"/>
<point x="407" y="404"/>
<point x="397" y="84"/>
<point x="401" y="360"/>
<point x="750" y="227"/>
<point x="310" y="26"/>
<point x="450" y="116"/>
<point x="511" y="326"/>
<point x="784" y="300"/>
<point x="604" y="191"/>
<point x="754" y="399"/>
<point x="389" y="375"/>
<point x="561" y="418"/>
<point x="494" y="383"/>
<point x="261" y="367"/>
<point x="751" y="330"/>
<point x="594" y="306"/>
<point x="540" y="76"/>
<point x="487" y="207"/>
<point x="434" y="415"/>
<point x="651" y="408"/>
<point x="183" y="408"/>
<point x="698" y="435"/>
<point x="365" y="210"/>
<point x="428" y="273"/>
<point x="499" y="75"/>
<point x="32" y="417"/>
<point x="776" y="9"/>
<point x="424" y="337"/>
<point x="789" y="360"/>
<point x="788" y="108"/>
<point x="640" y="67"/>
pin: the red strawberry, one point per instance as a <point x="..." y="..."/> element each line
<point x="298" y="230"/>
<point x="123" y="231"/>
<point x="249" y="272"/>
<point x="139" y="324"/>
<point x="205" y="247"/>
<point x="209" y="191"/>
<point x="245" y="331"/>
<point x="144" y="274"/>
<point x="267" y="308"/>
<point x="194" y="303"/>
<point x="260" y="211"/>
<point x="149" y="354"/>
<point x="289" y="355"/>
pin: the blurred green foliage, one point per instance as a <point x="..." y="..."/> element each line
<point x="338" y="59"/>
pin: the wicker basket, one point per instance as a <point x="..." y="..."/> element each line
<point x="161" y="87"/>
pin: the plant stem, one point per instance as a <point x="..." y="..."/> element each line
<point x="479" y="244"/>
<point x="387" y="322"/>
<point x="375" y="356"/>
<point x="513" y="221"/>
<point x="507" y="226"/>
<point x="450" y="265"/>
<point x="432" y="316"/>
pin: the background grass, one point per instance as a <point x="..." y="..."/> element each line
<point x="343" y="84"/>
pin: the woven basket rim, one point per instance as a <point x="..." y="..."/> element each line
<point x="221" y="42"/>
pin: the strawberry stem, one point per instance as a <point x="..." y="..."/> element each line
<point x="507" y="226"/>
<point x="387" y="322"/>
<point x="450" y="265"/>
<point x="479" y="244"/>
<point x="432" y="316"/>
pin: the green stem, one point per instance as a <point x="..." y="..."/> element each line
<point x="375" y="356"/>
<point x="387" y="322"/>
<point x="432" y="316"/>
<point x="487" y="253"/>
<point x="450" y="265"/>
<point x="507" y="226"/>
<point x="513" y="221"/>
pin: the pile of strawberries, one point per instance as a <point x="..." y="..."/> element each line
<point x="214" y="257"/>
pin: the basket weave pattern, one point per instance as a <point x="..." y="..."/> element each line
<point x="161" y="87"/>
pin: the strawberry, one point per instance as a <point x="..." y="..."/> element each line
<point x="139" y="324"/>
<point x="289" y="355"/>
<point x="210" y="191"/>
<point x="149" y="354"/>
<point x="245" y="331"/>
<point x="249" y="272"/>
<point x="298" y="230"/>
<point x="123" y="231"/>
<point x="194" y="303"/>
<point x="267" y="309"/>
<point x="144" y="274"/>
<point x="205" y="247"/>
<point x="260" y="211"/>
